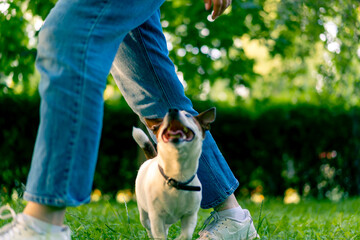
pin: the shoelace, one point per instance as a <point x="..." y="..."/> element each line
<point x="14" y="226"/>
<point x="3" y="216"/>
<point x="5" y="208"/>
<point x="213" y="215"/>
<point x="209" y="225"/>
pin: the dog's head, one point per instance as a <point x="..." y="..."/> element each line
<point x="180" y="129"/>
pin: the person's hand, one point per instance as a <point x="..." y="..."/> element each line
<point x="218" y="8"/>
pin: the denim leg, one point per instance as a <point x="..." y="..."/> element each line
<point x="77" y="45"/>
<point x="148" y="82"/>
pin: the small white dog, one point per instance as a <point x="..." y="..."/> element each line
<point x="167" y="187"/>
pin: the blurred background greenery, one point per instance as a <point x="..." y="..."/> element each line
<point x="284" y="76"/>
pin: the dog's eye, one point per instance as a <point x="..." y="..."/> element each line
<point x="188" y="115"/>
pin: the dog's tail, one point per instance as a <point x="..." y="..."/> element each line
<point x="144" y="142"/>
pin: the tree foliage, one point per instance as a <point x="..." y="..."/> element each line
<point x="310" y="47"/>
<point x="259" y="49"/>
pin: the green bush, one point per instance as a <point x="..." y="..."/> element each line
<point x="298" y="146"/>
<point x="315" y="149"/>
<point x="18" y="124"/>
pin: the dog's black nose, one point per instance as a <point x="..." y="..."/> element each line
<point x="173" y="113"/>
<point x="173" y="110"/>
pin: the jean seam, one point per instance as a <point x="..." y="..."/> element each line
<point x="79" y="102"/>
<point x="222" y="198"/>
<point x="225" y="191"/>
<point x="212" y="175"/>
<point x="148" y="60"/>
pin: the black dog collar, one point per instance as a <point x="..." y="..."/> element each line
<point x="179" y="185"/>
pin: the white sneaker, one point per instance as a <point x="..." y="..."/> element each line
<point x="24" y="228"/>
<point x="228" y="229"/>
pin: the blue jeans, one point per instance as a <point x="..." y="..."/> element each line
<point x="75" y="55"/>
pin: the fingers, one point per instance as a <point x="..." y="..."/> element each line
<point x="219" y="7"/>
<point x="207" y="4"/>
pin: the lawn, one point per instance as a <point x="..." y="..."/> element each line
<point x="310" y="219"/>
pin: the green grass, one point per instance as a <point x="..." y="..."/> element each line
<point x="310" y="219"/>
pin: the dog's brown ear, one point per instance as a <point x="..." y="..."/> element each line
<point x="206" y="118"/>
<point x="153" y="124"/>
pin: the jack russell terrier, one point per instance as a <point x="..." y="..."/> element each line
<point x="167" y="187"/>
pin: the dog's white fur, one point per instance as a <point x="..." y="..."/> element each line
<point x="161" y="205"/>
<point x="140" y="137"/>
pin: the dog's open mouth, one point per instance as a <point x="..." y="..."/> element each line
<point x="177" y="132"/>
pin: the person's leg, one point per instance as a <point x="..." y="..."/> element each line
<point x="77" y="45"/>
<point x="149" y="84"/>
<point x="49" y="214"/>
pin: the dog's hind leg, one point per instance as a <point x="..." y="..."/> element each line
<point x="188" y="224"/>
